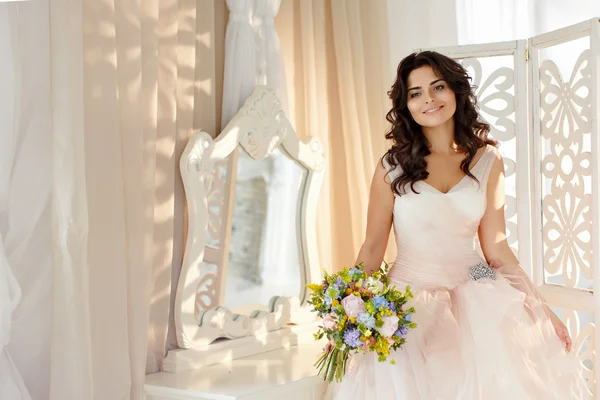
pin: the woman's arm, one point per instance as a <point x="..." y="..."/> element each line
<point x="492" y="229"/>
<point x="492" y="236"/>
<point x="379" y="221"/>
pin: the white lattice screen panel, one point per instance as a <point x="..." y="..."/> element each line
<point x="564" y="76"/>
<point x="565" y="156"/>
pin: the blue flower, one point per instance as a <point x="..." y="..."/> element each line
<point x="367" y="320"/>
<point x="339" y="285"/>
<point x="392" y="306"/>
<point x="352" y="338"/>
<point x="402" y="331"/>
<point x="380" y="302"/>
<point x="408" y="317"/>
<point x="352" y="272"/>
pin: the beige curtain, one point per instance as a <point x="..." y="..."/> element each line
<point x="190" y="86"/>
<point x="335" y="54"/>
<point x="120" y="136"/>
<point x="151" y="78"/>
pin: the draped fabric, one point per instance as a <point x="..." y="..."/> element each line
<point x="11" y="384"/>
<point x="239" y="78"/>
<point x="335" y="54"/>
<point x="26" y="306"/>
<point x="97" y="101"/>
<point x="270" y="67"/>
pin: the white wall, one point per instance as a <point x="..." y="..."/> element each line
<point x="554" y="14"/>
<point x="419" y="24"/>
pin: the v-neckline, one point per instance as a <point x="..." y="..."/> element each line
<point x="461" y="180"/>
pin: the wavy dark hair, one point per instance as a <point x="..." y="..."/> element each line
<point x="410" y="146"/>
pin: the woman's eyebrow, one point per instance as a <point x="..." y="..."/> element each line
<point x="419" y="87"/>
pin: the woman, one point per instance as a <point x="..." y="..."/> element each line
<point x="484" y="332"/>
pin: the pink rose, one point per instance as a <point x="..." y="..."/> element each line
<point x="329" y="322"/>
<point x="390" y="325"/>
<point x="353" y="305"/>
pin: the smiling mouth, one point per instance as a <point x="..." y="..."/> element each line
<point x="433" y="110"/>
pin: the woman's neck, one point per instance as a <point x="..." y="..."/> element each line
<point x="441" y="138"/>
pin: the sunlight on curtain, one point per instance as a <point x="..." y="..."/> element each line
<point x="335" y="53"/>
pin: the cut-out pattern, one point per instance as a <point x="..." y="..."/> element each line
<point x="566" y="203"/>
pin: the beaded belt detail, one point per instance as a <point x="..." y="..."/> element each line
<point x="481" y="271"/>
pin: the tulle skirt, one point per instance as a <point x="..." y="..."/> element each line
<point x="478" y="340"/>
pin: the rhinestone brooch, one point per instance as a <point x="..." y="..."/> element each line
<point x="481" y="271"/>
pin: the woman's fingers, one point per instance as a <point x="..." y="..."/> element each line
<point x="566" y="338"/>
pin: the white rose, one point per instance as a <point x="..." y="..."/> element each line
<point x="374" y="285"/>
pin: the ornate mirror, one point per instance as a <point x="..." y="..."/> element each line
<point x="251" y="237"/>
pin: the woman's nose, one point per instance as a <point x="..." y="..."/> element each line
<point x="428" y="97"/>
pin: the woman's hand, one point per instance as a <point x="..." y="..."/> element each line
<point x="561" y="330"/>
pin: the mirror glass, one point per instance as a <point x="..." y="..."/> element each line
<point x="264" y="251"/>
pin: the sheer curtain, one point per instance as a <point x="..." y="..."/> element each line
<point x="97" y="99"/>
<point x="270" y="68"/>
<point x="31" y="212"/>
<point x="11" y="383"/>
<point x="240" y="58"/>
<point x="279" y="259"/>
<point x="71" y="350"/>
<point x="518" y="19"/>
<point x="43" y="215"/>
<point x="25" y="198"/>
<point x="512" y="19"/>
<point x="336" y="58"/>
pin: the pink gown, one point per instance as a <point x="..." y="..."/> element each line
<point x="477" y="338"/>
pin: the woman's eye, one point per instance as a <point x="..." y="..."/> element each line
<point x="439" y="87"/>
<point x="412" y="96"/>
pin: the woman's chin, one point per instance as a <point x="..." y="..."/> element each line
<point x="435" y="121"/>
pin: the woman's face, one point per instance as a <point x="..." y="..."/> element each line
<point x="430" y="100"/>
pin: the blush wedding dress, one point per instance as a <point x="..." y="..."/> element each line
<point x="482" y="333"/>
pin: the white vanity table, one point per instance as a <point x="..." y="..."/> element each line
<point x="243" y="327"/>
<point x="286" y="373"/>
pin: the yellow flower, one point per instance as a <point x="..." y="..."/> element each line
<point x="335" y="303"/>
<point x="342" y="324"/>
<point x="348" y="291"/>
<point x="314" y="287"/>
<point x="382" y="347"/>
<point x="352" y="319"/>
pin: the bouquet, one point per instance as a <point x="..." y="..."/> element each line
<point x="359" y="314"/>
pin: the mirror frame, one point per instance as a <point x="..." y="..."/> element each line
<point x="258" y="127"/>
